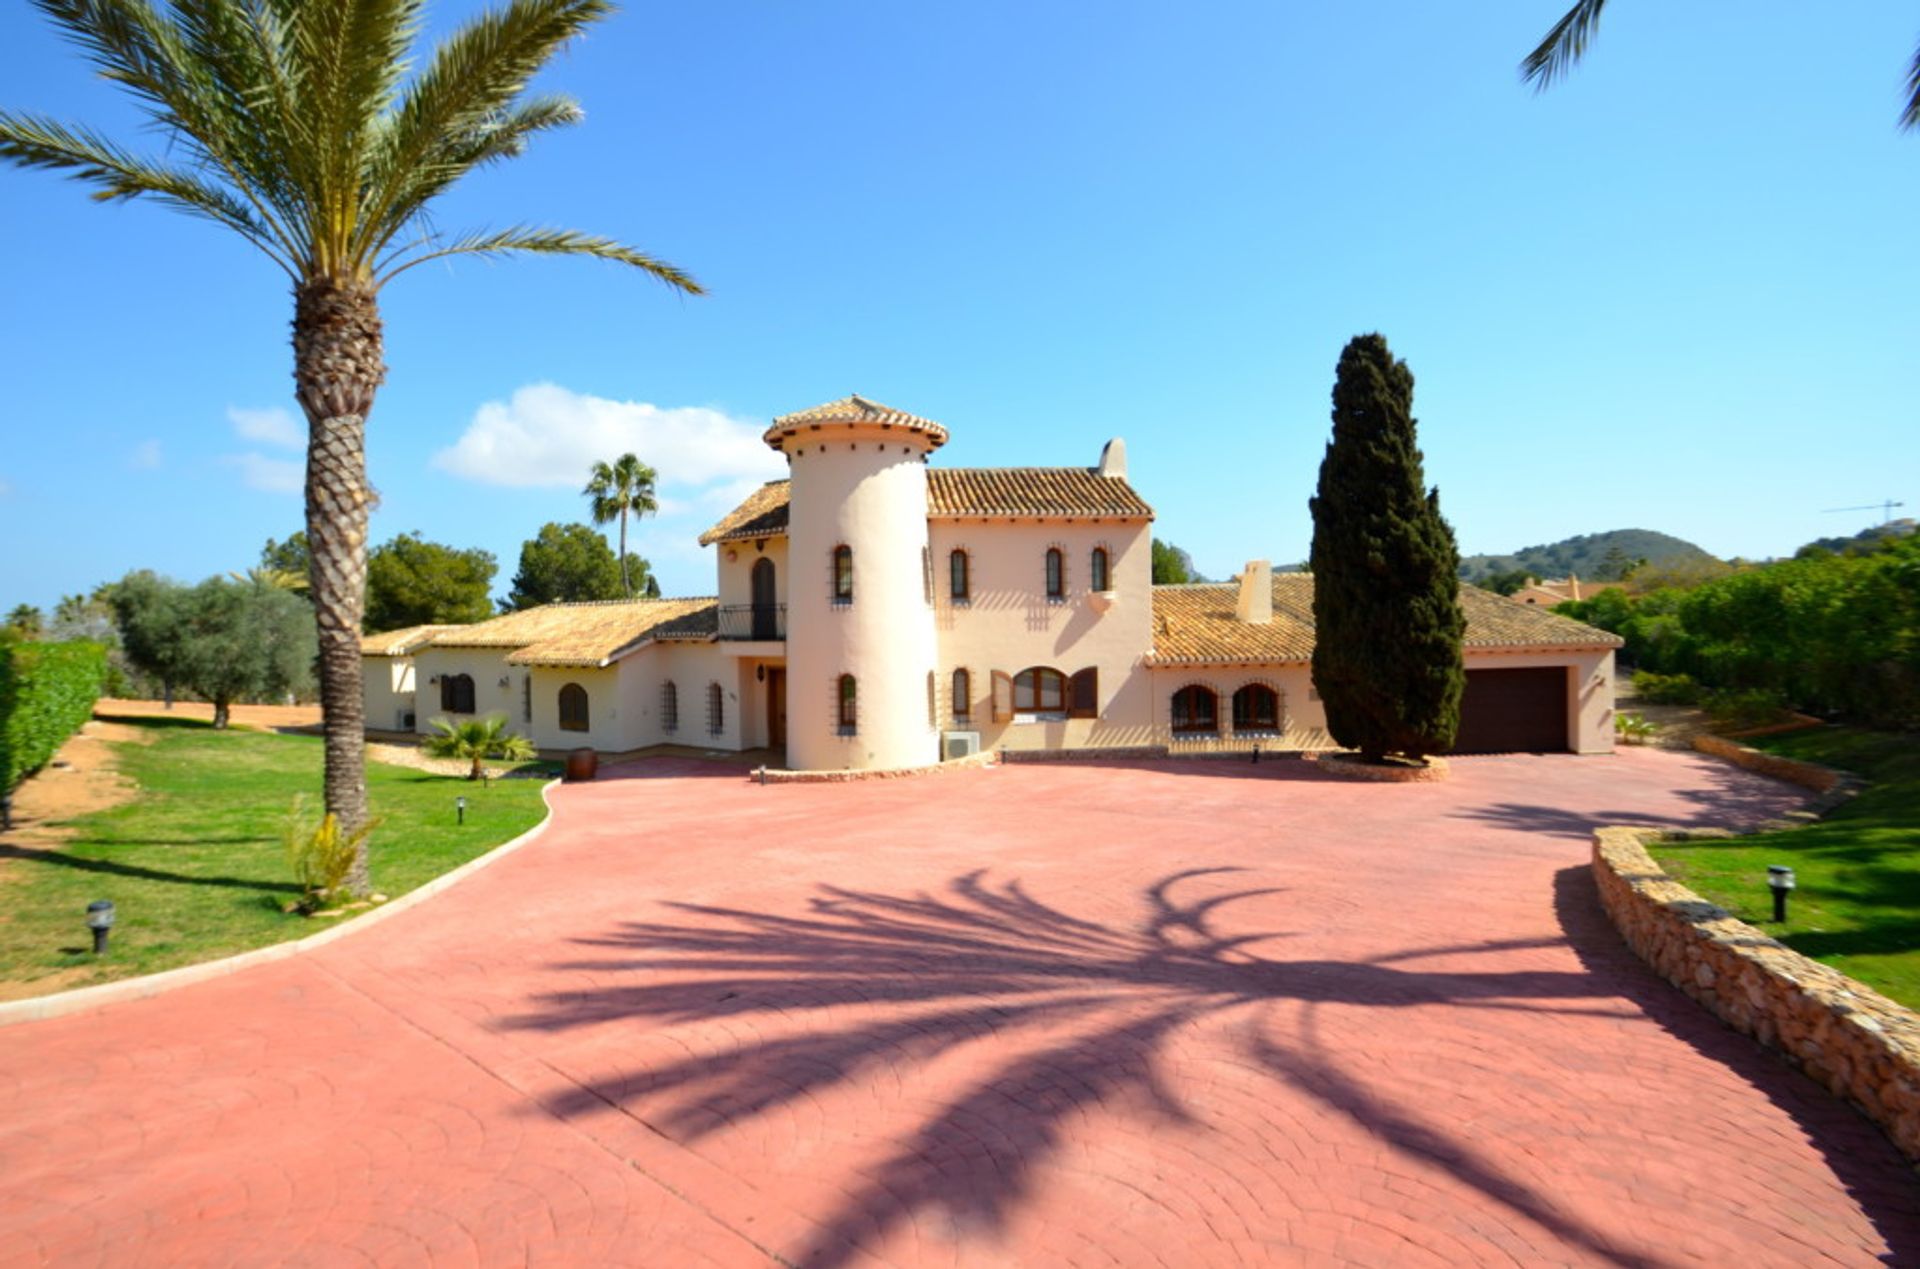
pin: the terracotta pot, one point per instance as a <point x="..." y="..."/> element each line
<point x="582" y="764"/>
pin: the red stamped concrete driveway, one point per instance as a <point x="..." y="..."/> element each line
<point x="1179" y="1014"/>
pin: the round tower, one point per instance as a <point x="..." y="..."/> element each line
<point x="859" y="600"/>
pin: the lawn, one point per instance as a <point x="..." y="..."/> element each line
<point x="1858" y="903"/>
<point x="195" y="865"/>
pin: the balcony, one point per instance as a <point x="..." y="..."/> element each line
<point x="758" y="622"/>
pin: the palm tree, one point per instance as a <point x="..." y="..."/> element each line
<point x="476" y="740"/>
<point x="1567" y="43"/>
<point x="295" y="125"/>
<point x="616" y="489"/>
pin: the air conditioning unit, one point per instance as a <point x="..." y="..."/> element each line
<point x="406" y="720"/>
<point x="958" y="744"/>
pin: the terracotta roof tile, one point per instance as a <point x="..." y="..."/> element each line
<point x="1068" y="492"/>
<point x="586" y="634"/>
<point x="1031" y="491"/>
<point x="762" y="515"/>
<point x="398" y="643"/>
<point x="853" y="409"/>
<point x="1197" y="625"/>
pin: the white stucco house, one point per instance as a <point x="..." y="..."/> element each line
<point x="874" y="611"/>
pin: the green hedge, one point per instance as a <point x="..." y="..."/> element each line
<point x="46" y="691"/>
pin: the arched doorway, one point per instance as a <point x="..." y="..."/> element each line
<point x="766" y="616"/>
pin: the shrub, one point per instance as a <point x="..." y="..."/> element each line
<point x="1747" y="706"/>
<point x="321" y="857"/>
<point x="46" y="691"/>
<point x="1666" y="689"/>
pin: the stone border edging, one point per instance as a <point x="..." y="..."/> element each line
<point x="82" y="999"/>
<point x="1849" y="1038"/>
<point x="1834" y="787"/>
<point x="1350" y="767"/>
<point x="779" y="775"/>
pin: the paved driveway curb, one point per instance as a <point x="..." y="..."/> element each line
<point x="83" y="999"/>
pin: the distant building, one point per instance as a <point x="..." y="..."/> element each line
<point x="875" y="612"/>
<point x="1547" y="594"/>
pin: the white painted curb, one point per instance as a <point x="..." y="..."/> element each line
<point x="82" y="999"/>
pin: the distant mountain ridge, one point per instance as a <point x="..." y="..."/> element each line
<point x="1591" y="555"/>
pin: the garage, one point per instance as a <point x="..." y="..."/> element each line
<point x="1514" y="711"/>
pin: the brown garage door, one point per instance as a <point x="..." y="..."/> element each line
<point x="1514" y="711"/>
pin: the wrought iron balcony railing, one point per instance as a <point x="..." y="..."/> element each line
<point x="753" y="621"/>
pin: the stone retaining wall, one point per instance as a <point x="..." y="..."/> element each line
<point x="1834" y="787"/>
<point x="1851" y="1039"/>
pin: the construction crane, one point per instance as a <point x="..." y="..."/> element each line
<point x="1885" y="508"/>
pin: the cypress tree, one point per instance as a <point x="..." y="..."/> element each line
<point x="1386" y="587"/>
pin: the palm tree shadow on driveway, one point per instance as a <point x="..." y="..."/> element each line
<point x="1089" y="1012"/>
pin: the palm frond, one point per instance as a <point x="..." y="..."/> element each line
<point x="31" y="141"/>
<point x="1910" y="117"/>
<point x="470" y="83"/>
<point x="156" y="61"/>
<point x="1564" y="46"/>
<point x="557" y="242"/>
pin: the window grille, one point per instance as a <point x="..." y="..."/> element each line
<point x="843" y="574"/>
<point x="962" y="697"/>
<point x="848" y="705"/>
<point x="669" y="707"/>
<point x="716" y="710"/>
<point x="1056" y="573"/>
<point x="1196" y="710"/>
<point x="1098" y="573"/>
<point x="959" y="584"/>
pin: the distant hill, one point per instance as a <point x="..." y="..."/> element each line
<point x="1865" y="540"/>
<point x="1594" y="556"/>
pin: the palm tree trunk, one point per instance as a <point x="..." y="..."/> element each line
<point x="624" y="583"/>
<point x="337" y="368"/>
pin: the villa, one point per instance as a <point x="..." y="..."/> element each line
<point x="877" y="612"/>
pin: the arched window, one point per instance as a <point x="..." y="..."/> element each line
<point x="959" y="584"/>
<point x="1040" y="690"/>
<point x="716" y="710"/>
<point x="1256" y="707"/>
<point x="1056" y="574"/>
<point x="962" y="697"/>
<point x="1097" y="572"/>
<point x="573" y="708"/>
<point x="456" y="693"/>
<point x="849" y="712"/>
<point x="843" y="574"/>
<point x="1195" y="710"/>
<point x="669" y="706"/>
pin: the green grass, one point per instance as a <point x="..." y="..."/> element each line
<point x="1858" y="903"/>
<point x="195" y="865"/>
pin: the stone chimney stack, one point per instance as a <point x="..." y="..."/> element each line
<point x="1113" y="458"/>
<point x="1256" y="593"/>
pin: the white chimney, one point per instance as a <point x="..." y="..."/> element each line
<point x="1256" y="593"/>
<point x="1113" y="459"/>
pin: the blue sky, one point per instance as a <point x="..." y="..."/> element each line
<point x="1676" y="292"/>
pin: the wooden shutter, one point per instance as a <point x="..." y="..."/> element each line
<point x="1083" y="695"/>
<point x="1002" y="697"/>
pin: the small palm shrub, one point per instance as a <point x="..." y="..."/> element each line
<point x="1633" y="729"/>
<point x="477" y="740"/>
<point x="321" y="857"/>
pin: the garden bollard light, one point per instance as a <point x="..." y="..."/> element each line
<point x="460" y="809"/>
<point x="1256" y="753"/>
<point x="100" y="920"/>
<point x="1780" y="881"/>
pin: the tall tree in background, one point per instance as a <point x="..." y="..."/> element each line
<point x="413" y="582"/>
<point x="1386" y="573"/>
<point x="26" y="621"/>
<point x="1566" y="44"/>
<point x="566" y="564"/>
<point x="294" y="124"/>
<point x="615" y="490"/>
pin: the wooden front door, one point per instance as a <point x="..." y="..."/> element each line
<point x="776" y="708"/>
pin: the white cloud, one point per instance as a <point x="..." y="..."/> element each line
<point x="145" y="457"/>
<point x="549" y="436"/>
<point x="268" y="475"/>
<point x="273" y="425"/>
